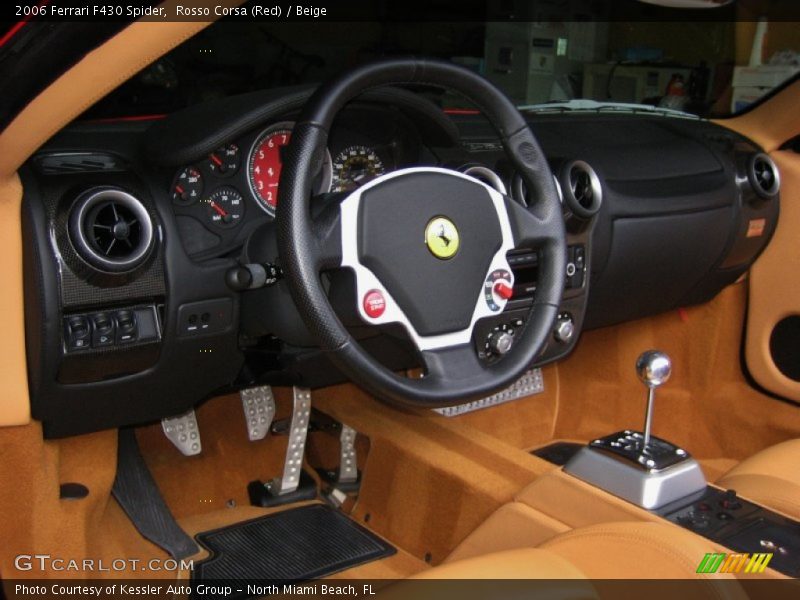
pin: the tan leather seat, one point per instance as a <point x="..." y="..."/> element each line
<point x="619" y="551"/>
<point x="770" y="478"/>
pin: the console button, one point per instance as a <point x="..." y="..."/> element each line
<point x="729" y="501"/>
<point x="126" y="326"/>
<point x="102" y="330"/>
<point x="77" y="333"/>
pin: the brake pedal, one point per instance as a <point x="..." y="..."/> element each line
<point x="184" y="433"/>
<point x="258" y="404"/>
<point x="294" y="484"/>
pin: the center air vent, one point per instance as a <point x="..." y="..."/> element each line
<point x="583" y="193"/>
<point x="111" y="230"/>
<point x="764" y="176"/>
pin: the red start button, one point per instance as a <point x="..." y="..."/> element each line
<point x="374" y="304"/>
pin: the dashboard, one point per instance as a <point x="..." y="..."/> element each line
<point x="217" y="200"/>
<point x="153" y="278"/>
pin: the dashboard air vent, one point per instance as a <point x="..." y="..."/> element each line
<point x="764" y="176"/>
<point x="76" y="162"/>
<point x="519" y="191"/>
<point x="111" y="230"/>
<point x="583" y="193"/>
<point x="485" y="175"/>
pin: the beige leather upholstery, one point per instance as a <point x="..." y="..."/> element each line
<point x="770" y="477"/>
<point x="513" y="525"/>
<point x="640" y="550"/>
<point x="522" y="563"/>
<point x="621" y="551"/>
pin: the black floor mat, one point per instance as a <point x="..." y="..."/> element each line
<point x="558" y="453"/>
<point x="287" y="547"/>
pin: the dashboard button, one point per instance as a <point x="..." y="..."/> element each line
<point x="374" y="304"/>
<point x="102" y="330"/>
<point x="77" y="333"/>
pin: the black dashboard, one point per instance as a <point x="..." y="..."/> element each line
<point x="145" y="241"/>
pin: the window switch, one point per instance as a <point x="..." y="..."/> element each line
<point x="77" y="333"/>
<point x="102" y="330"/>
<point x="126" y="326"/>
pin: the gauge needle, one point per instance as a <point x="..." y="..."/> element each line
<point x="217" y="161"/>
<point x="179" y="189"/>
<point x="219" y="209"/>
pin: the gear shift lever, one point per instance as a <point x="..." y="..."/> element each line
<point x="654" y="369"/>
<point x="636" y="466"/>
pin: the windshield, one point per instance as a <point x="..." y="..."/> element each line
<point x="711" y="67"/>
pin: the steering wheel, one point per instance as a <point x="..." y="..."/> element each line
<point x="427" y="245"/>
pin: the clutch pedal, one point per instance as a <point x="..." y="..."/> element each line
<point x="184" y="433"/>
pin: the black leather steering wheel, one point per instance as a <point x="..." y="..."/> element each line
<point x="427" y="245"/>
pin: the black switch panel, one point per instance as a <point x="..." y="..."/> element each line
<point x="576" y="267"/>
<point x="208" y="316"/>
<point x="107" y="329"/>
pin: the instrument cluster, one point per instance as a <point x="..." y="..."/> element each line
<point x="238" y="183"/>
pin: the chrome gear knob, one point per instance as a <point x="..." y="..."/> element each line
<point x="653" y="368"/>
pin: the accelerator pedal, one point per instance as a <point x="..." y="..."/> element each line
<point x="137" y="493"/>
<point x="345" y="480"/>
<point x="294" y="484"/>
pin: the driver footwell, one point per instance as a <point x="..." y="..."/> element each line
<point x="292" y="546"/>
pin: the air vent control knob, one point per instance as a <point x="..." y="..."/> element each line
<point x="565" y="328"/>
<point x="500" y="342"/>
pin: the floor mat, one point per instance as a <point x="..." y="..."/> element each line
<point x="286" y="547"/>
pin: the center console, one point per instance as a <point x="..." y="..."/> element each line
<point x="663" y="478"/>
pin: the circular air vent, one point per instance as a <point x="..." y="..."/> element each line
<point x="111" y="230"/>
<point x="764" y="176"/>
<point x="487" y="176"/>
<point x="583" y="193"/>
<point x="519" y="191"/>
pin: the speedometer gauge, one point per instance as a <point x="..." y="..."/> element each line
<point x="354" y="166"/>
<point x="266" y="160"/>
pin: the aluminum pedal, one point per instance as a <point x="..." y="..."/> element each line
<point x="258" y="404"/>
<point x="295" y="450"/>
<point x="348" y="465"/>
<point x="529" y="384"/>
<point x="184" y="433"/>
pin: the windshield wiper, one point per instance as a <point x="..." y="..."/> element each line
<point x="581" y="105"/>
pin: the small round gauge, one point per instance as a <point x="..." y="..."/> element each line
<point x="188" y="187"/>
<point x="225" y="207"/>
<point x="355" y="166"/>
<point x="224" y="161"/>
<point x="266" y="160"/>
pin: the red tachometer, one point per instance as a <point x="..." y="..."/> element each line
<point x="265" y="165"/>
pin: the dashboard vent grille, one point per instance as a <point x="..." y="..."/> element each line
<point x="111" y="230"/>
<point x="583" y="193"/>
<point x="764" y="176"/>
<point x="73" y="162"/>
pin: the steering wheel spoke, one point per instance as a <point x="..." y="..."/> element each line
<point x="530" y="227"/>
<point x="459" y="362"/>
